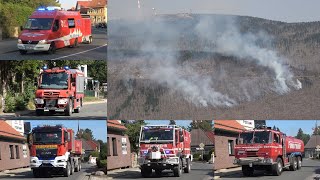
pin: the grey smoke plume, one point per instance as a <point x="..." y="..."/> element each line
<point x="163" y="38"/>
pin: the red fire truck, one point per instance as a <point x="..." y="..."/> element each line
<point x="60" y="90"/>
<point x="48" y="29"/>
<point x="267" y="149"/>
<point x="164" y="147"/>
<point x="54" y="150"/>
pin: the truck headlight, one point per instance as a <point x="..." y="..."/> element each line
<point x="175" y="160"/>
<point x="33" y="161"/>
<point x="43" y="41"/>
<point x="268" y="160"/>
<point x="63" y="101"/>
<point x="38" y="101"/>
<point x="19" y="41"/>
<point x="235" y="161"/>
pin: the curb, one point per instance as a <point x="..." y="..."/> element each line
<point x="95" y="102"/>
<point x="234" y="170"/>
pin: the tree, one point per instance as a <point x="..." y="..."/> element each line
<point x="259" y="123"/>
<point x="85" y="134"/>
<point x="202" y="124"/>
<point x="172" y="122"/>
<point x="133" y="132"/>
<point x="302" y="136"/>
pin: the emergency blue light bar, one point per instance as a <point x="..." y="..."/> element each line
<point x="41" y="9"/>
<point x="66" y="67"/>
<point x="44" y="67"/>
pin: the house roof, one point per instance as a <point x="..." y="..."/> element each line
<point x="89" y="145"/>
<point x="115" y="124"/>
<point x="313" y="141"/>
<point x="200" y="136"/>
<point x="7" y="131"/>
<point x="91" y="4"/>
<point x="229" y="125"/>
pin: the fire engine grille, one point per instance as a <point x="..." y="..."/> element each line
<point x="51" y="94"/>
<point x="30" y="42"/>
<point x="252" y="154"/>
<point x="46" y="154"/>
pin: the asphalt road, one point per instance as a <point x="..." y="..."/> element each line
<point x="199" y="171"/>
<point x="27" y="174"/>
<point x="310" y="170"/>
<point x="88" y="111"/>
<point x="97" y="50"/>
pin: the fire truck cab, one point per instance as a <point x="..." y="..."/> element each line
<point x="267" y="149"/>
<point x="48" y="29"/>
<point x="60" y="90"/>
<point x="54" y="150"/>
<point x="164" y="147"/>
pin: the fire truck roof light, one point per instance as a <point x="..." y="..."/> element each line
<point x="66" y="67"/>
<point x="44" y="67"/>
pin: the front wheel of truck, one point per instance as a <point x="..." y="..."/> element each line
<point x="36" y="173"/>
<point x="146" y="172"/>
<point x="187" y="169"/>
<point x="177" y="170"/>
<point x="247" y="171"/>
<point x="68" y="110"/>
<point x="67" y="170"/>
<point x="277" y="168"/>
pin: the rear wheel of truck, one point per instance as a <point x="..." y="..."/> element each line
<point x="247" y="171"/>
<point x="293" y="166"/>
<point x="299" y="161"/>
<point x="187" y="169"/>
<point x="77" y="169"/>
<point x="23" y="52"/>
<point x="90" y="40"/>
<point x="146" y="172"/>
<point x="277" y="168"/>
<point x="68" y="110"/>
<point x="36" y="173"/>
<point x="72" y="168"/>
<point x="67" y="170"/>
<point x="39" y="112"/>
<point x="52" y="48"/>
<point x="79" y="107"/>
<point x="177" y="170"/>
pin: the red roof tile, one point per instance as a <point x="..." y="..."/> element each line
<point x="7" y="131"/>
<point x="230" y="125"/>
<point x="115" y="124"/>
<point x="210" y="135"/>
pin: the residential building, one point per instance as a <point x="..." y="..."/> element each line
<point x="97" y="9"/>
<point x="226" y="132"/>
<point x="18" y="125"/>
<point x="199" y="136"/>
<point x="247" y="124"/>
<point x="90" y="146"/>
<point x="14" y="152"/>
<point x="118" y="146"/>
<point x="310" y="149"/>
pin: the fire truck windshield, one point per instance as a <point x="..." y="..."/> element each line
<point x="157" y="135"/>
<point x="54" y="81"/>
<point x="39" y="24"/>
<point x="255" y="137"/>
<point x="47" y="137"/>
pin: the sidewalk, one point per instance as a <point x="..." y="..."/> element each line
<point x="8" y="45"/>
<point x="14" y="172"/>
<point x="226" y="172"/>
<point x="95" y="102"/>
<point x="121" y="172"/>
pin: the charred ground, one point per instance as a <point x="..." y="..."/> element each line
<point x="133" y="94"/>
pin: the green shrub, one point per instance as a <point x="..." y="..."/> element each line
<point x="10" y="104"/>
<point x="21" y="104"/>
<point x="101" y="163"/>
<point x="86" y="159"/>
<point x="206" y="157"/>
<point x="196" y="155"/>
<point x="95" y="154"/>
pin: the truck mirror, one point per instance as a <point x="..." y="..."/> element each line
<point x="181" y="138"/>
<point x="21" y="28"/>
<point x="66" y="137"/>
<point x="29" y="139"/>
<point x="54" y="28"/>
<point x="73" y="84"/>
<point x="237" y="141"/>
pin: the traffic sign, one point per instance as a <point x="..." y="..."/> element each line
<point x="201" y="145"/>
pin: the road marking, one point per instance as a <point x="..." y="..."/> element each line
<point x="80" y="52"/>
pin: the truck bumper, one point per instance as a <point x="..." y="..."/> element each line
<point x="254" y="161"/>
<point x="58" y="162"/>
<point x="52" y="109"/>
<point x="34" y="47"/>
<point x="168" y="163"/>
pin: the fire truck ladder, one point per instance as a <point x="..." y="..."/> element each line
<point x="284" y="150"/>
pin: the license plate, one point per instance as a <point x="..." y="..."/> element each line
<point x="29" y="47"/>
<point x="46" y="162"/>
<point x="250" y="164"/>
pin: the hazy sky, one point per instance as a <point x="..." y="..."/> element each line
<point x="67" y="4"/>
<point x="98" y="127"/>
<point x="283" y="10"/>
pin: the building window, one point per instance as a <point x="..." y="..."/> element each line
<point x="114" y="147"/>
<point x="11" y="151"/>
<point x="231" y="147"/>
<point x="17" y="152"/>
<point x="108" y="147"/>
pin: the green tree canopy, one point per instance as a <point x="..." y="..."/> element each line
<point x="302" y="136"/>
<point x="172" y="122"/>
<point x="133" y="131"/>
<point x="85" y="134"/>
<point x="202" y="124"/>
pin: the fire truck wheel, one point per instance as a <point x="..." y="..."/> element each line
<point x="187" y="169"/>
<point x="67" y="170"/>
<point x="146" y="172"/>
<point x="52" y="48"/>
<point x="247" y="171"/>
<point x="177" y="170"/>
<point x="293" y="166"/>
<point x="158" y="172"/>
<point x="90" y="40"/>
<point x="75" y="44"/>
<point x="68" y="110"/>
<point x="39" y="112"/>
<point x="277" y="168"/>
<point x="36" y="173"/>
<point x="23" y="52"/>
<point x="72" y="168"/>
<point x="299" y="162"/>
